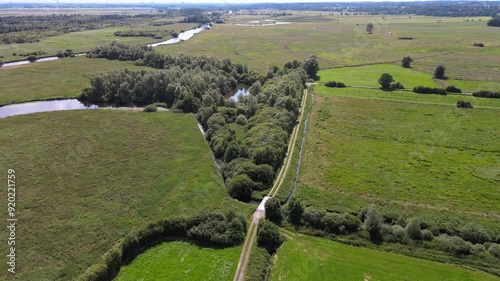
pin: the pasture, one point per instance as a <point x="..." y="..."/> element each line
<point x="179" y="260"/>
<point x="86" y="178"/>
<point x="311" y="258"/>
<point x="434" y="161"/>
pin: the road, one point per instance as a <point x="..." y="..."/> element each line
<point x="260" y="211"/>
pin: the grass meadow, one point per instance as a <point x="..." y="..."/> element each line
<point x="85" y="40"/>
<point x="311" y="258"/>
<point x="63" y="78"/>
<point x="434" y="161"/>
<point x="180" y="261"/>
<point x="86" y="178"/>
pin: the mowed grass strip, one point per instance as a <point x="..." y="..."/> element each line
<point x="311" y="258"/>
<point x="431" y="156"/>
<point x="63" y="78"/>
<point x="368" y="75"/>
<point x="180" y="261"/>
<point x="85" y="178"/>
<point x="407" y="97"/>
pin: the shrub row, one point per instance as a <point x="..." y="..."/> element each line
<point x="428" y="90"/>
<point x="453" y="89"/>
<point x="213" y="229"/>
<point x="487" y="94"/>
<point x="334" y="84"/>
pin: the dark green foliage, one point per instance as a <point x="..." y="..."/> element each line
<point x="453" y="89"/>
<point x="464" y="104"/>
<point x="273" y="211"/>
<point x="413" y="229"/>
<point x="241" y="120"/>
<point x="474" y="234"/>
<point x="210" y="229"/>
<point x="399" y="234"/>
<point x="240" y="187"/>
<point x="369" y="28"/>
<point x="456" y="246"/>
<point x="478" y="45"/>
<point x="487" y="94"/>
<point x="333" y="84"/>
<point x="150" y="108"/>
<point x="311" y="66"/>
<point x="439" y="72"/>
<point x="295" y="211"/>
<point x="313" y="217"/>
<point x="427" y="235"/>
<point x="494" y="21"/>
<point x="396" y="86"/>
<point x="494" y="250"/>
<point x="32" y="58"/>
<point x="269" y="237"/>
<point x="385" y="80"/>
<point x="373" y="223"/>
<point x="406" y="62"/>
<point x="428" y="90"/>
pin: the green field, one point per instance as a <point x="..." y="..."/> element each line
<point x="310" y="258"/>
<point x="408" y="156"/>
<point x="86" y="178"/>
<point x="182" y="261"/>
<point x="85" y="40"/>
<point x="369" y="75"/>
<point x="60" y="78"/>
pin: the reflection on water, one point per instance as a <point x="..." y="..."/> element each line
<point x="242" y="91"/>
<point x="42" y="106"/>
<point x="183" y="36"/>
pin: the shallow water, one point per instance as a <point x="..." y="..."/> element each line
<point x="43" y="106"/>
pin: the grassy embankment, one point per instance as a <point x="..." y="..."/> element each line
<point x="86" y="178"/>
<point x="182" y="261"/>
<point x="311" y="258"/>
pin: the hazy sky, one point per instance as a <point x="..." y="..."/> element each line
<point x="185" y="1"/>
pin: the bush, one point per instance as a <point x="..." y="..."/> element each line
<point x="494" y="250"/>
<point x="464" y="104"/>
<point x="456" y="246"/>
<point x="453" y="89"/>
<point x="273" y="211"/>
<point x="241" y="120"/>
<point x="399" y="234"/>
<point x="474" y="234"/>
<point x="428" y="90"/>
<point x="269" y="237"/>
<point x="413" y="230"/>
<point x="406" y="61"/>
<point x="478" y="45"/>
<point x="60" y="55"/>
<point x="487" y="94"/>
<point x="373" y="223"/>
<point x="439" y="72"/>
<point x="150" y="108"/>
<point x="427" y="235"/>
<point x="32" y="58"/>
<point x="240" y="187"/>
<point x="313" y="217"/>
<point x="295" y="211"/>
<point x="331" y="84"/>
<point x="397" y="85"/>
<point x="332" y="223"/>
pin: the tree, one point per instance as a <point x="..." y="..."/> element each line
<point x="475" y="234"/>
<point x="439" y="72"/>
<point x="413" y="229"/>
<point x="240" y="187"/>
<point x="273" y="211"/>
<point x="269" y="237"/>
<point x="406" y="61"/>
<point x="385" y="80"/>
<point x="369" y="28"/>
<point x="311" y="66"/>
<point x="295" y="211"/>
<point x="373" y="223"/>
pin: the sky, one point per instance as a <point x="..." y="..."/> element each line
<point x="188" y="1"/>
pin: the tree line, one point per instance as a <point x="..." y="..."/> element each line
<point x="199" y="85"/>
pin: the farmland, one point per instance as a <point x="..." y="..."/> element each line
<point x="182" y="261"/>
<point x="310" y="258"/>
<point x="106" y="172"/>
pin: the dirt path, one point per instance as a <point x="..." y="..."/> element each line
<point x="260" y="212"/>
